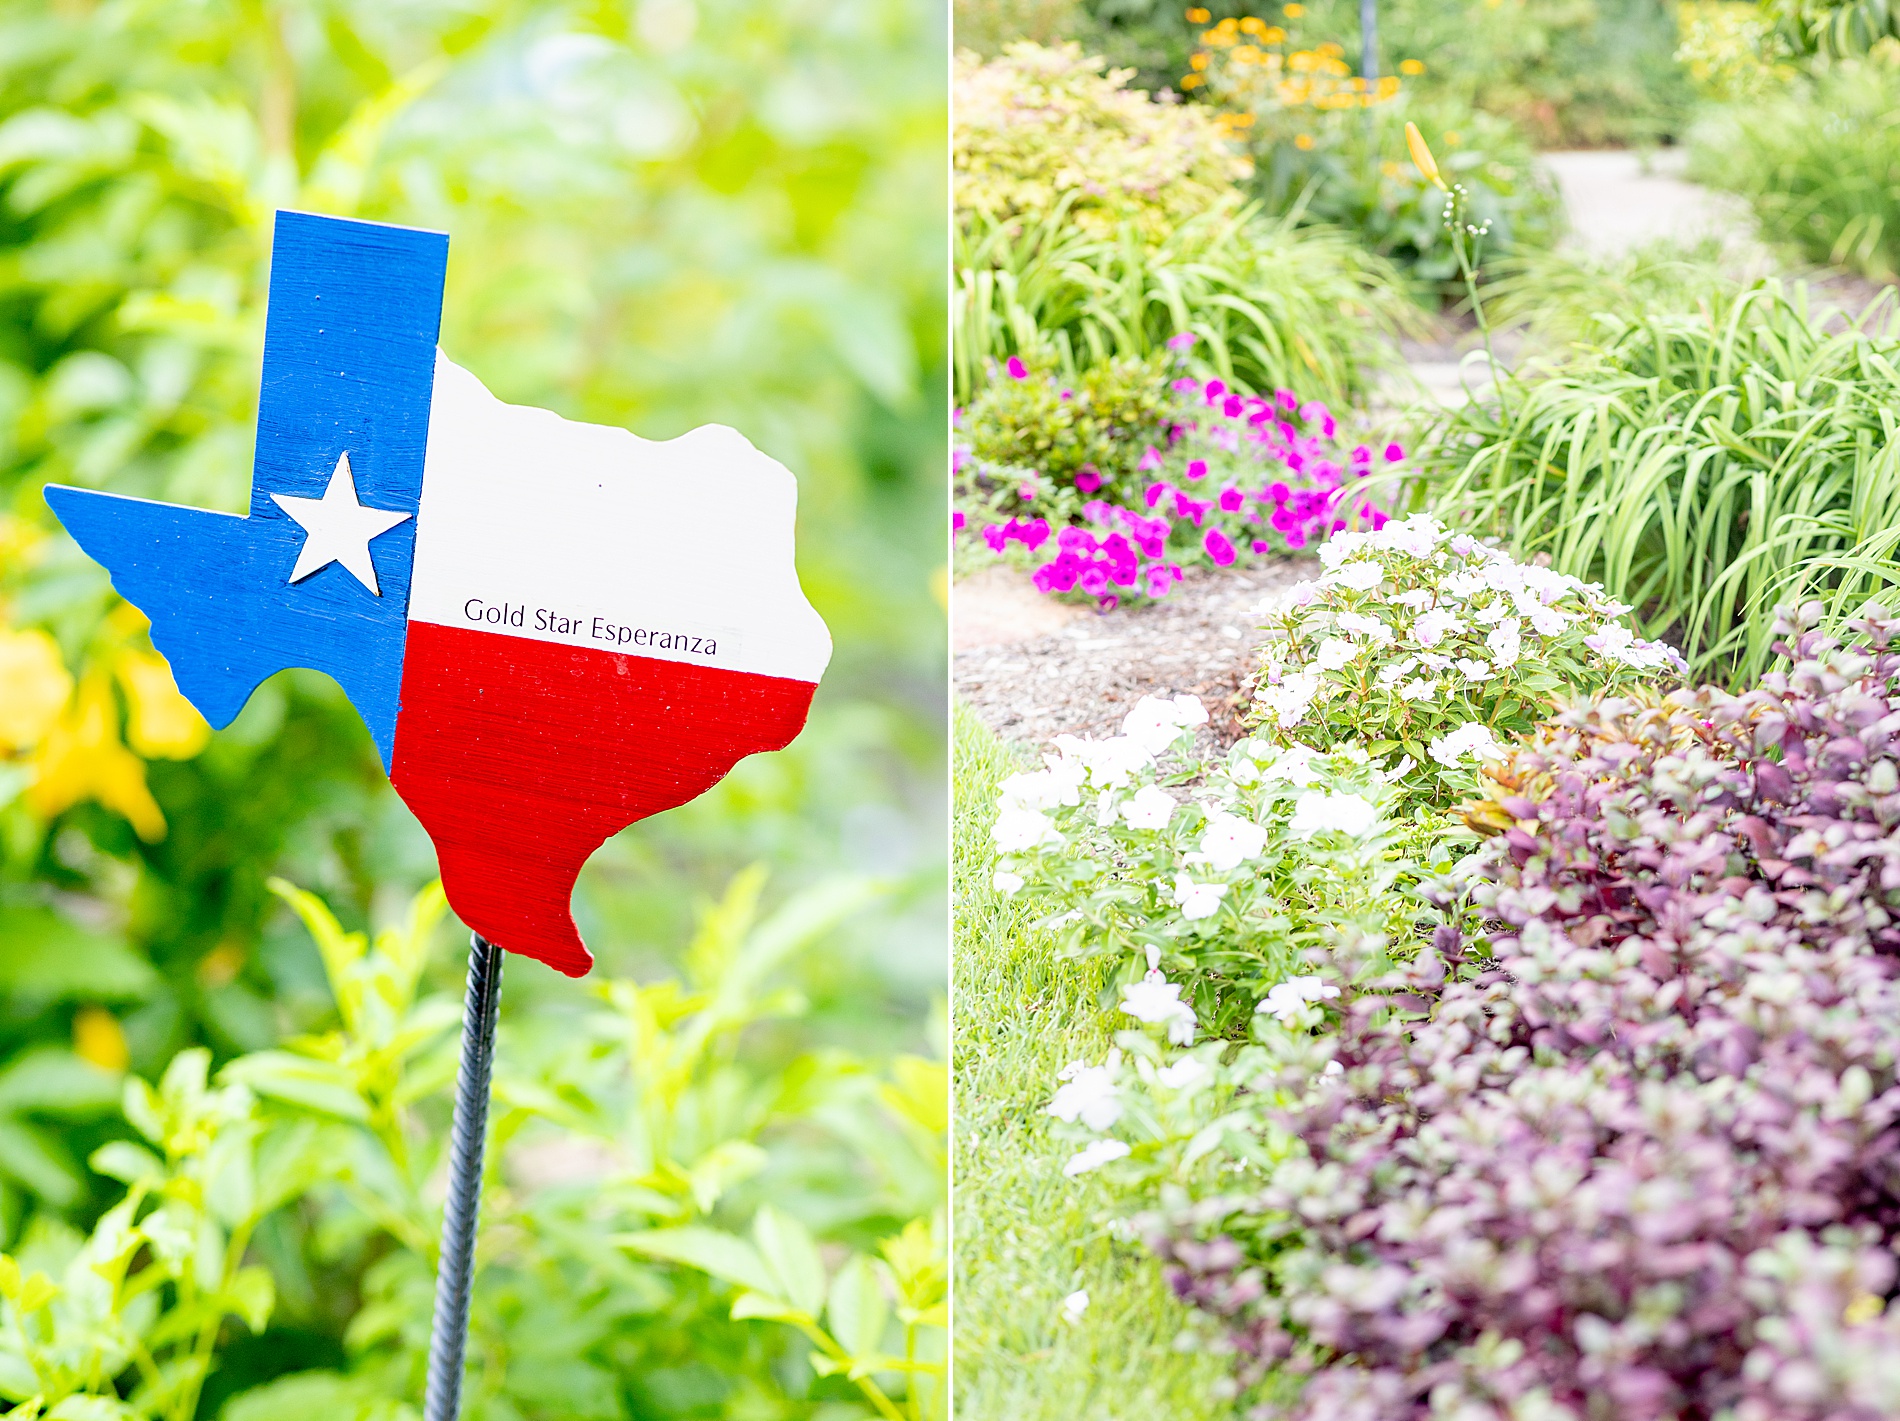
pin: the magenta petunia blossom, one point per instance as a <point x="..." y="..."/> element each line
<point x="1150" y="459"/>
<point x="1218" y="547"/>
<point x="1087" y="479"/>
<point x="1214" y="390"/>
<point x="1231" y="499"/>
<point x="1017" y="370"/>
<point x="1184" y="341"/>
<point x="1394" y="453"/>
<point x="1197" y="468"/>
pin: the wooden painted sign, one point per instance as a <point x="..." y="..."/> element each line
<point x="551" y="629"/>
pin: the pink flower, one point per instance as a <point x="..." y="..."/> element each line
<point x="1087" y="479"/>
<point x="1184" y="341"/>
<point x="1394" y="453"/>
<point x="1215" y="389"/>
<point x="1361" y="454"/>
<point x="1232" y="406"/>
<point x="1033" y="535"/>
<point x="1231" y="499"/>
<point x="1156" y="491"/>
<point x="1218" y="548"/>
<point x="1185" y="384"/>
<point x="1260" y="545"/>
<point x="1017" y="370"/>
<point x="1027" y="493"/>
<point x="1288" y="401"/>
<point x="1197" y="468"/>
<point x="957" y="520"/>
<point x="1151" y="459"/>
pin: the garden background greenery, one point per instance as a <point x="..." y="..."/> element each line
<point x="661" y="214"/>
<point x="1180" y="228"/>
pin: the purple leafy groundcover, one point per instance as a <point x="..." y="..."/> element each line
<point x="1637" y="1156"/>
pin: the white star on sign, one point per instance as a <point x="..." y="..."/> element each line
<point x="337" y="528"/>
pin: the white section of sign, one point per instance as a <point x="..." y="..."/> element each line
<point x="535" y="526"/>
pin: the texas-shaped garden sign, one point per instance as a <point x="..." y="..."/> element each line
<point x="552" y="629"/>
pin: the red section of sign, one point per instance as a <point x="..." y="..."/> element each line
<point x="521" y="757"/>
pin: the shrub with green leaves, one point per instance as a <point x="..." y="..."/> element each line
<point x="652" y="1221"/>
<point x="1040" y="125"/>
<point x="1703" y="466"/>
<point x="1428" y="644"/>
<point x="1102" y="420"/>
<point x="1225" y="875"/>
<point x="1819" y="165"/>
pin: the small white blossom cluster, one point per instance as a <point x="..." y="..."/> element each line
<point x="1418" y="636"/>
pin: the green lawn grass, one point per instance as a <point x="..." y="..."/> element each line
<point x="1026" y="1237"/>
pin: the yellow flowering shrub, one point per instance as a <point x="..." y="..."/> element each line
<point x="1040" y="124"/>
<point x="1250" y="65"/>
<point x="65" y="732"/>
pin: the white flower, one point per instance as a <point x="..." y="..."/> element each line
<point x="1472" y="738"/>
<point x="1294" y="765"/>
<point x="1359" y="576"/>
<point x="1074" y="1306"/>
<point x="1018" y="830"/>
<point x="1300" y="594"/>
<point x="1422" y="688"/>
<point x="1502" y="575"/>
<point x="1087" y="1094"/>
<point x="1110" y="762"/>
<point x="1462" y="584"/>
<point x="1099" y="1153"/>
<point x="1154" y="999"/>
<point x="1418" y="599"/>
<point x="1184" y="1074"/>
<point x="1317" y="812"/>
<point x="1197" y="900"/>
<point x="1230" y="840"/>
<point x="1504" y="642"/>
<point x="1334" y="653"/>
<point x="1497" y="611"/>
<point x="1548" y="621"/>
<point x="1473" y="669"/>
<point x="1341" y="546"/>
<point x="1061" y="783"/>
<point x="1155" y="724"/>
<point x="1287" y="702"/>
<point x="1007" y="883"/>
<point x="1397" y="671"/>
<point x="1151" y="808"/>
<point x="1433" y="661"/>
<point x="1431" y="627"/>
<point x="1288" y="1000"/>
<point x="1360" y="625"/>
<point x="1416" y="536"/>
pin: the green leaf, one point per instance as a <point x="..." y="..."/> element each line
<point x="251" y="1296"/>
<point x="322" y="1086"/>
<point x="774" y="1309"/>
<point x="128" y="1163"/>
<point x="789" y="1252"/>
<point x="730" y="1259"/>
<point x="856" y="1310"/>
<point x="47" y="957"/>
<point x="37" y="1160"/>
<point x="53" y="1081"/>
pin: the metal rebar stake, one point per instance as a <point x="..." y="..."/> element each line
<point x="461" y="1212"/>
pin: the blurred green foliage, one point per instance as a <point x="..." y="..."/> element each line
<point x="662" y="213"/>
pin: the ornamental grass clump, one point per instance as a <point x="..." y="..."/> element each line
<point x="1421" y="642"/>
<point x="1635" y="1155"/>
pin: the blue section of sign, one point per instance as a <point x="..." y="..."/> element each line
<point x="349" y="363"/>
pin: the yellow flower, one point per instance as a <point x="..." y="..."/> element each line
<point x="1197" y="16"/>
<point x="1452" y="138"/>
<point x="34" y="685"/>
<point x="98" y="1038"/>
<point x="1253" y="25"/>
<point x="1303" y="141"/>
<point x="1864" y="1308"/>
<point x="1411" y="66"/>
<point x="1198" y="61"/>
<point x="163" y="724"/>
<point x="1192" y="81"/>
<point x="81" y="759"/>
<point x="1293" y="12"/>
<point x="1422" y="156"/>
<point x="1273" y="34"/>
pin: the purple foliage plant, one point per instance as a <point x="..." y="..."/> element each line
<point x="1632" y="1153"/>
